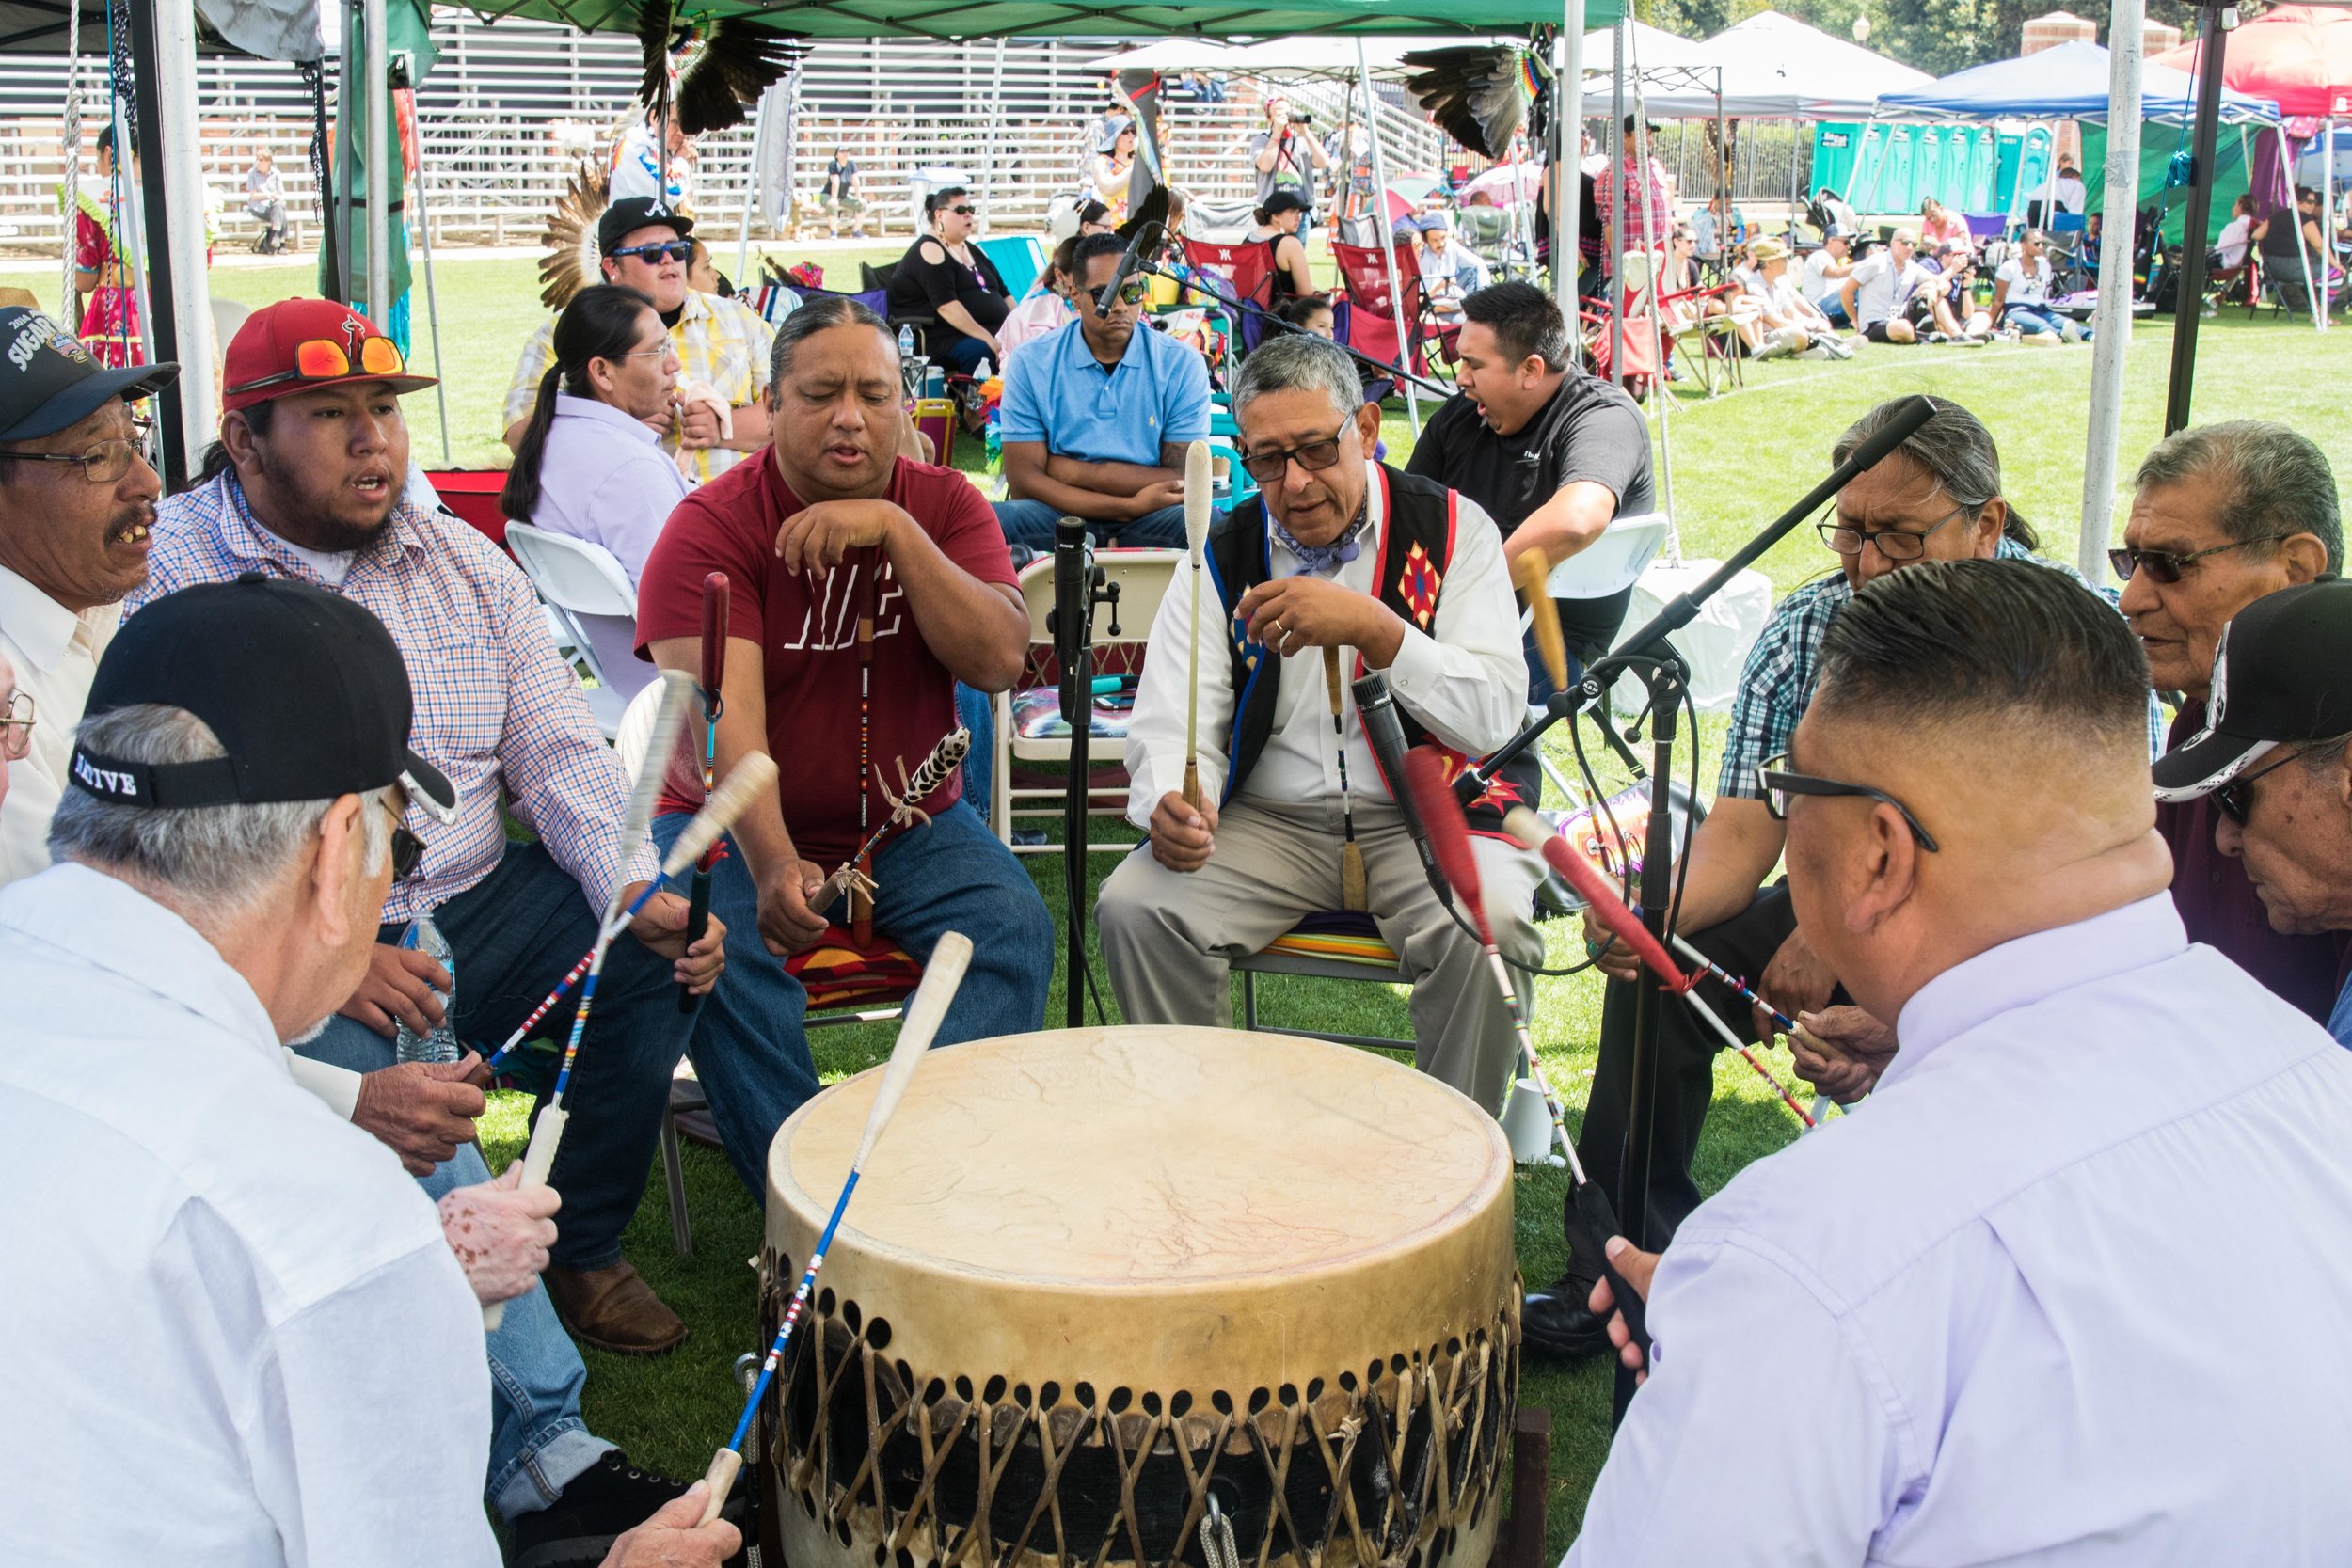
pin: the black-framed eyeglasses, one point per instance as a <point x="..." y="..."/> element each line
<point x="667" y="250"/>
<point x="1269" y="468"/>
<point x="102" y="464"/>
<point x="1896" y="544"/>
<point x="963" y="212"/>
<point x="1778" y="784"/>
<point x="2234" y="801"/>
<point x="2167" y="566"/>
<point x="407" y="854"/>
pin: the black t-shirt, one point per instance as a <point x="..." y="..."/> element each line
<point x="842" y="174"/>
<point x="1588" y="431"/>
<point x="919" y="288"/>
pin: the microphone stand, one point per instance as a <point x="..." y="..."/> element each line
<point x="1651" y="660"/>
<point x="1079" y="585"/>
<point x="1227" y="302"/>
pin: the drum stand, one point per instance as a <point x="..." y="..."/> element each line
<point x="1648" y="657"/>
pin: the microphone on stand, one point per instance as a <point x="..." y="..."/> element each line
<point x="1135" y="255"/>
<point x="1073" y="645"/>
<point x="1385" y="734"/>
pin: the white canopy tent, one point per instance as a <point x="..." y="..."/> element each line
<point x="1776" y="68"/>
<point x="1170" y="56"/>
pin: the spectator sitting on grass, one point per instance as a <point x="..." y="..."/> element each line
<point x="1825" y="269"/>
<point x="2021" y="295"/>
<point x="1877" y="293"/>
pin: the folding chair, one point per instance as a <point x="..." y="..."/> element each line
<point x="1371" y="319"/>
<point x="1030" y="724"/>
<point x="1233" y="275"/>
<point x="846" y="984"/>
<point x="590" y="594"/>
<point x="1334" y="945"/>
<point x="1608" y="565"/>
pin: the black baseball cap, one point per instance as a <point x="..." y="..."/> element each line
<point x="1283" y="198"/>
<point x="305" y="689"/>
<point x="48" y="380"/>
<point x="625" y="216"/>
<point x="2282" y="675"/>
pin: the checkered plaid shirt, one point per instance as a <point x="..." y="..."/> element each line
<point x="496" y="708"/>
<point x="1777" y="684"/>
<point x="722" y="341"/>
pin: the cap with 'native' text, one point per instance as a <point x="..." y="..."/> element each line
<point x="2282" y="675"/>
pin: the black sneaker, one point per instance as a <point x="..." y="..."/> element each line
<point x="1558" y="1324"/>
<point x="609" y="1498"/>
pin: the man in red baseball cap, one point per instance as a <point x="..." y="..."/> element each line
<point x="306" y="482"/>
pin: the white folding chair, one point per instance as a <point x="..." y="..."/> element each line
<point x="1610" y="565"/>
<point x="583" y="584"/>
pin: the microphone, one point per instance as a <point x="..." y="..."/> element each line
<point x="1073" y="572"/>
<point x="1385" y="734"/>
<point x="1134" y="256"/>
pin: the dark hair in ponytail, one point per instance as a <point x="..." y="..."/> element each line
<point x="600" y="323"/>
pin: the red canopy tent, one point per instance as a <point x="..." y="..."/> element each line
<point x="2300" y="56"/>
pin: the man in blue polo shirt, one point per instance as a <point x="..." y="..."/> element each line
<point x="1096" y="418"/>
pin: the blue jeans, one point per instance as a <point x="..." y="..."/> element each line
<point x="976" y="711"/>
<point x="1031" y="523"/>
<point x="2026" y="318"/>
<point x="514" y="935"/>
<point x="538" y="1442"/>
<point x="951" y="876"/>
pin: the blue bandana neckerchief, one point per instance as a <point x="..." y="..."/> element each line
<point x="1325" y="557"/>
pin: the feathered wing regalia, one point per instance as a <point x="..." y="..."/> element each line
<point x="571" y="263"/>
<point x="709" y="73"/>
<point x="1481" y="94"/>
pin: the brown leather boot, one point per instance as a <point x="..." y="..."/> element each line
<point x="613" y="1309"/>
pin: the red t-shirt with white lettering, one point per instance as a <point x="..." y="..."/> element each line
<point x="807" y="630"/>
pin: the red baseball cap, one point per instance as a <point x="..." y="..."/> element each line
<point x="299" y="346"/>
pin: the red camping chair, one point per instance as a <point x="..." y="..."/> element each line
<point x="1242" y="274"/>
<point x="1372" y="322"/>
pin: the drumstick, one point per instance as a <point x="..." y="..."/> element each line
<point x="1197" y="487"/>
<point x="715" y="589"/>
<point x="1529" y="829"/>
<point x="1449" y="839"/>
<point x="749" y="779"/>
<point x="1351" y="886"/>
<point x="862" y="908"/>
<point x="1531" y="574"/>
<point x="936" y="769"/>
<point x="943" y="971"/>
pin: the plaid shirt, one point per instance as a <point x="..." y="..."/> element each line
<point x="496" y="708"/>
<point x="1777" y="686"/>
<point x="722" y="341"/>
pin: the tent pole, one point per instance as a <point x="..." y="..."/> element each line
<point x="175" y="111"/>
<point x="374" y="87"/>
<point x="1388" y="240"/>
<point x="1612" y="214"/>
<point x="1567" y="151"/>
<point x="142" y="206"/>
<point x="432" y="299"/>
<point x="2196" y="231"/>
<point x="2326" y="213"/>
<point x="1656" y="392"/>
<point x="2302" y="251"/>
<point x="750" y="198"/>
<point x="2112" y="339"/>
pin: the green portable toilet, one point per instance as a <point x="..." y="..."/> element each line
<point x="1833" y="149"/>
<point x="1983" y="164"/>
<point x="1897" y="188"/>
<point x="1952" y="182"/>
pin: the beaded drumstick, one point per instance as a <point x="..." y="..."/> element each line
<point x="936" y="770"/>
<point x="715" y="601"/>
<point x="1351" y="886"/>
<point x="943" y="971"/>
<point x="1531" y="574"/>
<point x="1197" y="485"/>
<point x="860" y="907"/>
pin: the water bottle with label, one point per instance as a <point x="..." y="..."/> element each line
<point x="906" y="342"/>
<point x="441" y="1045"/>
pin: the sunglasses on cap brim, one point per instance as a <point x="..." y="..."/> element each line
<point x="324" y="359"/>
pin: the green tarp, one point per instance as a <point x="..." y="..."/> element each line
<point x="407" y="30"/>
<point x="2157" y="145"/>
<point x="974" y="18"/>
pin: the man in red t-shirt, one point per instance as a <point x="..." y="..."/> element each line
<point x="824" y="523"/>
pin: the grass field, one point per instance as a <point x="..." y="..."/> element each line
<point x="1735" y="462"/>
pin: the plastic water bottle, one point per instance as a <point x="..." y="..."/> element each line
<point x="906" y="342"/>
<point x="441" y="1045"/>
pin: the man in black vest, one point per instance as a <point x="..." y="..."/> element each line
<point x="1341" y="561"/>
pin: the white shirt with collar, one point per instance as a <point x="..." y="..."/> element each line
<point x="240" y="1336"/>
<point x="1465" y="678"/>
<point x="2070" y="1288"/>
<point x="55" y="653"/>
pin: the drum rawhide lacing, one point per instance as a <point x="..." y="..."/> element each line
<point x="1346" y="1473"/>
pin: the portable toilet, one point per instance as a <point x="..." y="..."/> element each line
<point x="1927" y="164"/>
<point x="1952" y="182"/>
<point x="1983" y="163"/>
<point x="1833" y="149"/>
<point x="1902" y="179"/>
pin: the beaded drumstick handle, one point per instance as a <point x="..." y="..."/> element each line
<point x="715" y="604"/>
<point x="1788" y="1026"/>
<point x="936" y="770"/>
<point x="942" y="974"/>
<point x="862" y="908"/>
<point x="1197" y="486"/>
<point x="1352" y="884"/>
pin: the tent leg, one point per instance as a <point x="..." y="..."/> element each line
<point x="2197" y="231"/>
<point x="2327" y="215"/>
<point x="1655" y="391"/>
<point x="432" y="299"/>
<point x="751" y="199"/>
<point x="1388" y="243"/>
<point x="1613" y="212"/>
<point x="375" y="87"/>
<point x="2112" y="338"/>
<point x="1567" y="150"/>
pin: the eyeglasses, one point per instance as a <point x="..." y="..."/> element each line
<point x="104" y="464"/>
<point x="668" y="250"/>
<point x="407" y="848"/>
<point x="325" y="360"/>
<point x="1896" y="544"/>
<point x="963" y="212"/>
<point x="1778" y="784"/>
<point x="1270" y="468"/>
<point x="16" y="727"/>
<point x="2167" y="566"/>
<point x="2234" y="801"/>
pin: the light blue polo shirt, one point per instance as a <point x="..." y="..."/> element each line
<point x="1056" y="392"/>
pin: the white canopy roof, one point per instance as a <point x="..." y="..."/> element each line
<point x="1326" y="54"/>
<point x="1170" y="55"/>
<point x="1776" y="66"/>
<point x="1652" y="47"/>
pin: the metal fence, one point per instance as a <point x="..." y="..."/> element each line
<point x="512" y="108"/>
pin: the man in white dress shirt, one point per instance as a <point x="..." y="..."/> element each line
<point x="77" y="496"/>
<point x="2070" y="1287"/>
<point x="252" y="1328"/>
<point x="1400" y="575"/>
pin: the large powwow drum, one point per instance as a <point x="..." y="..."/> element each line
<point x="1098" y="1283"/>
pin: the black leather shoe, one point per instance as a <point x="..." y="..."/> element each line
<point x="605" y="1501"/>
<point x="1557" y="1322"/>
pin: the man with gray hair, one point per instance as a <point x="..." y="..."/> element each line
<point x="1340" y="566"/>
<point x="2224" y="515"/>
<point x="296" y="1331"/>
